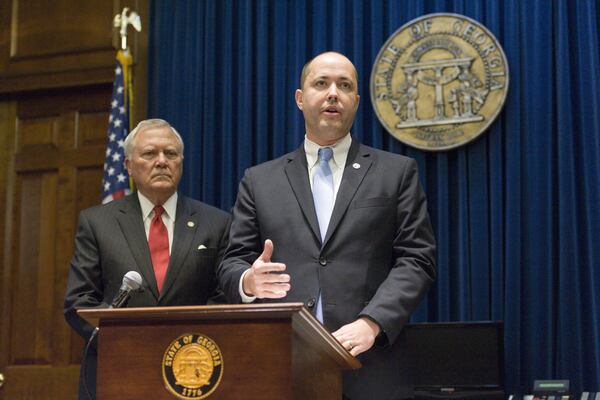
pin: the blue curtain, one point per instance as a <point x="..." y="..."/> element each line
<point x="515" y="212"/>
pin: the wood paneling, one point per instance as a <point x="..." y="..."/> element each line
<point x="61" y="43"/>
<point x="56" y="73"/>
<point x="36" y="132"/>
<point x="57" y="170"/>
<point x="55" y="386"/>
<point x="89" y="134"/>
<point x="33" y="269"/>
<point x="80" y="27"/>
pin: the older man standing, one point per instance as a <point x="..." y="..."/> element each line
<point x="339" y="226"/>
<point x="174" y="242"/>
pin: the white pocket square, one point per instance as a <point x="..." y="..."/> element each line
<point x="201" y="247"/>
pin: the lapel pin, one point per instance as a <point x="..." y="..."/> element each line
<point x="356" y="165"/>
<point x="191" y="224"/>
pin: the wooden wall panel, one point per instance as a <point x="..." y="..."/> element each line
<point x="38" y="384"/>
<point x="32" y="306"/>
<point x="81" y="27"/>
<point x="56" y="73"/>
<point x="59" y="142"/>
<point x="36" y="132"/>
<point x="89" y="182"/>
<point x="89" y="134"/>
<point x="62" y="43"/>
<point x="7" y="189"/>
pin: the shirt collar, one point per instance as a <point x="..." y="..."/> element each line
<point x="170" y="206"/>
<point x="340" y="151"/>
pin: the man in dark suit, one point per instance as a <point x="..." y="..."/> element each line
<point x="361" y="257"/>
<point x="174" y="242"/>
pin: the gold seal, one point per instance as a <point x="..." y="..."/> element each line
<point x="192" y="366"/>
<point x="439" y="81"/>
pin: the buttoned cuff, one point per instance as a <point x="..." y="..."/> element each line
<point x="244" y="296"/>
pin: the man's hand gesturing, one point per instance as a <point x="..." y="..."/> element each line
<point x="264" y="279"/>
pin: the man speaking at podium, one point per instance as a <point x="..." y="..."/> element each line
<point x="339" y="226"/>
<point x="174" y="242"/>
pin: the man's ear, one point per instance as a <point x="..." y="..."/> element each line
<point x="128" y="165"/>
<point x="298" y="96"/>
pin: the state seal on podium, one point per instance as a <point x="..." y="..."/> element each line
<point x="192" y="366"/>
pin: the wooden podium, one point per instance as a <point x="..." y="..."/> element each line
<point x="251" y="351"/>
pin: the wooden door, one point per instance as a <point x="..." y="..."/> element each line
<point x="54" y="157"/>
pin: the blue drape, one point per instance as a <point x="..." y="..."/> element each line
<point x="515" y="212"/>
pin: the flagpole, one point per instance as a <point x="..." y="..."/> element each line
<point x="116" y="181"/>
<point x="122" y="21"/>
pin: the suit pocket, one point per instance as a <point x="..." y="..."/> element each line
<point x="373" y="202"/>
<point x="207" y="252"/>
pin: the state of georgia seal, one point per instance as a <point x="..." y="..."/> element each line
<point x="439" y="81"/>
<point x="192" y="366"/>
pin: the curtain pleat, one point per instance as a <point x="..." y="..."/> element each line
<point x="515" y="212"/>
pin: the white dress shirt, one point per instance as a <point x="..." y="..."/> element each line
<point x="337" y="163"/>
<point x="168" y="216"/>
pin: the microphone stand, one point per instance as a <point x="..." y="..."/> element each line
<point x="84" y="363"/>
<point x="119" y="301"/>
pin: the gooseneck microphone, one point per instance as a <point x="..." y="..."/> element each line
<point x="132" y="281"/>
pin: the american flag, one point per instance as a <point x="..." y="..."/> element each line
<point x="115" y="182"/>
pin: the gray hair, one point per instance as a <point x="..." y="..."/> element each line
<point x="142" y="126"/>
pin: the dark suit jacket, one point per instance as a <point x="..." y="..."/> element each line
<point x="111" y="241"/>
<point x="377" y="259"/>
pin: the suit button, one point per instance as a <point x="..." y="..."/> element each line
<point x="310" y="303"/>
<point x="323" y="261"/>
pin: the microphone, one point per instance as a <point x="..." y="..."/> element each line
<point x="132" y="281"/>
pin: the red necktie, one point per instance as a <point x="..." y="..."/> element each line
<point x="158" y="241"/>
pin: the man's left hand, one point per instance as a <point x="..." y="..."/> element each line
<point x="358" y="336"/>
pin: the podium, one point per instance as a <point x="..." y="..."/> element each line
<point x="251" y="351"/>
